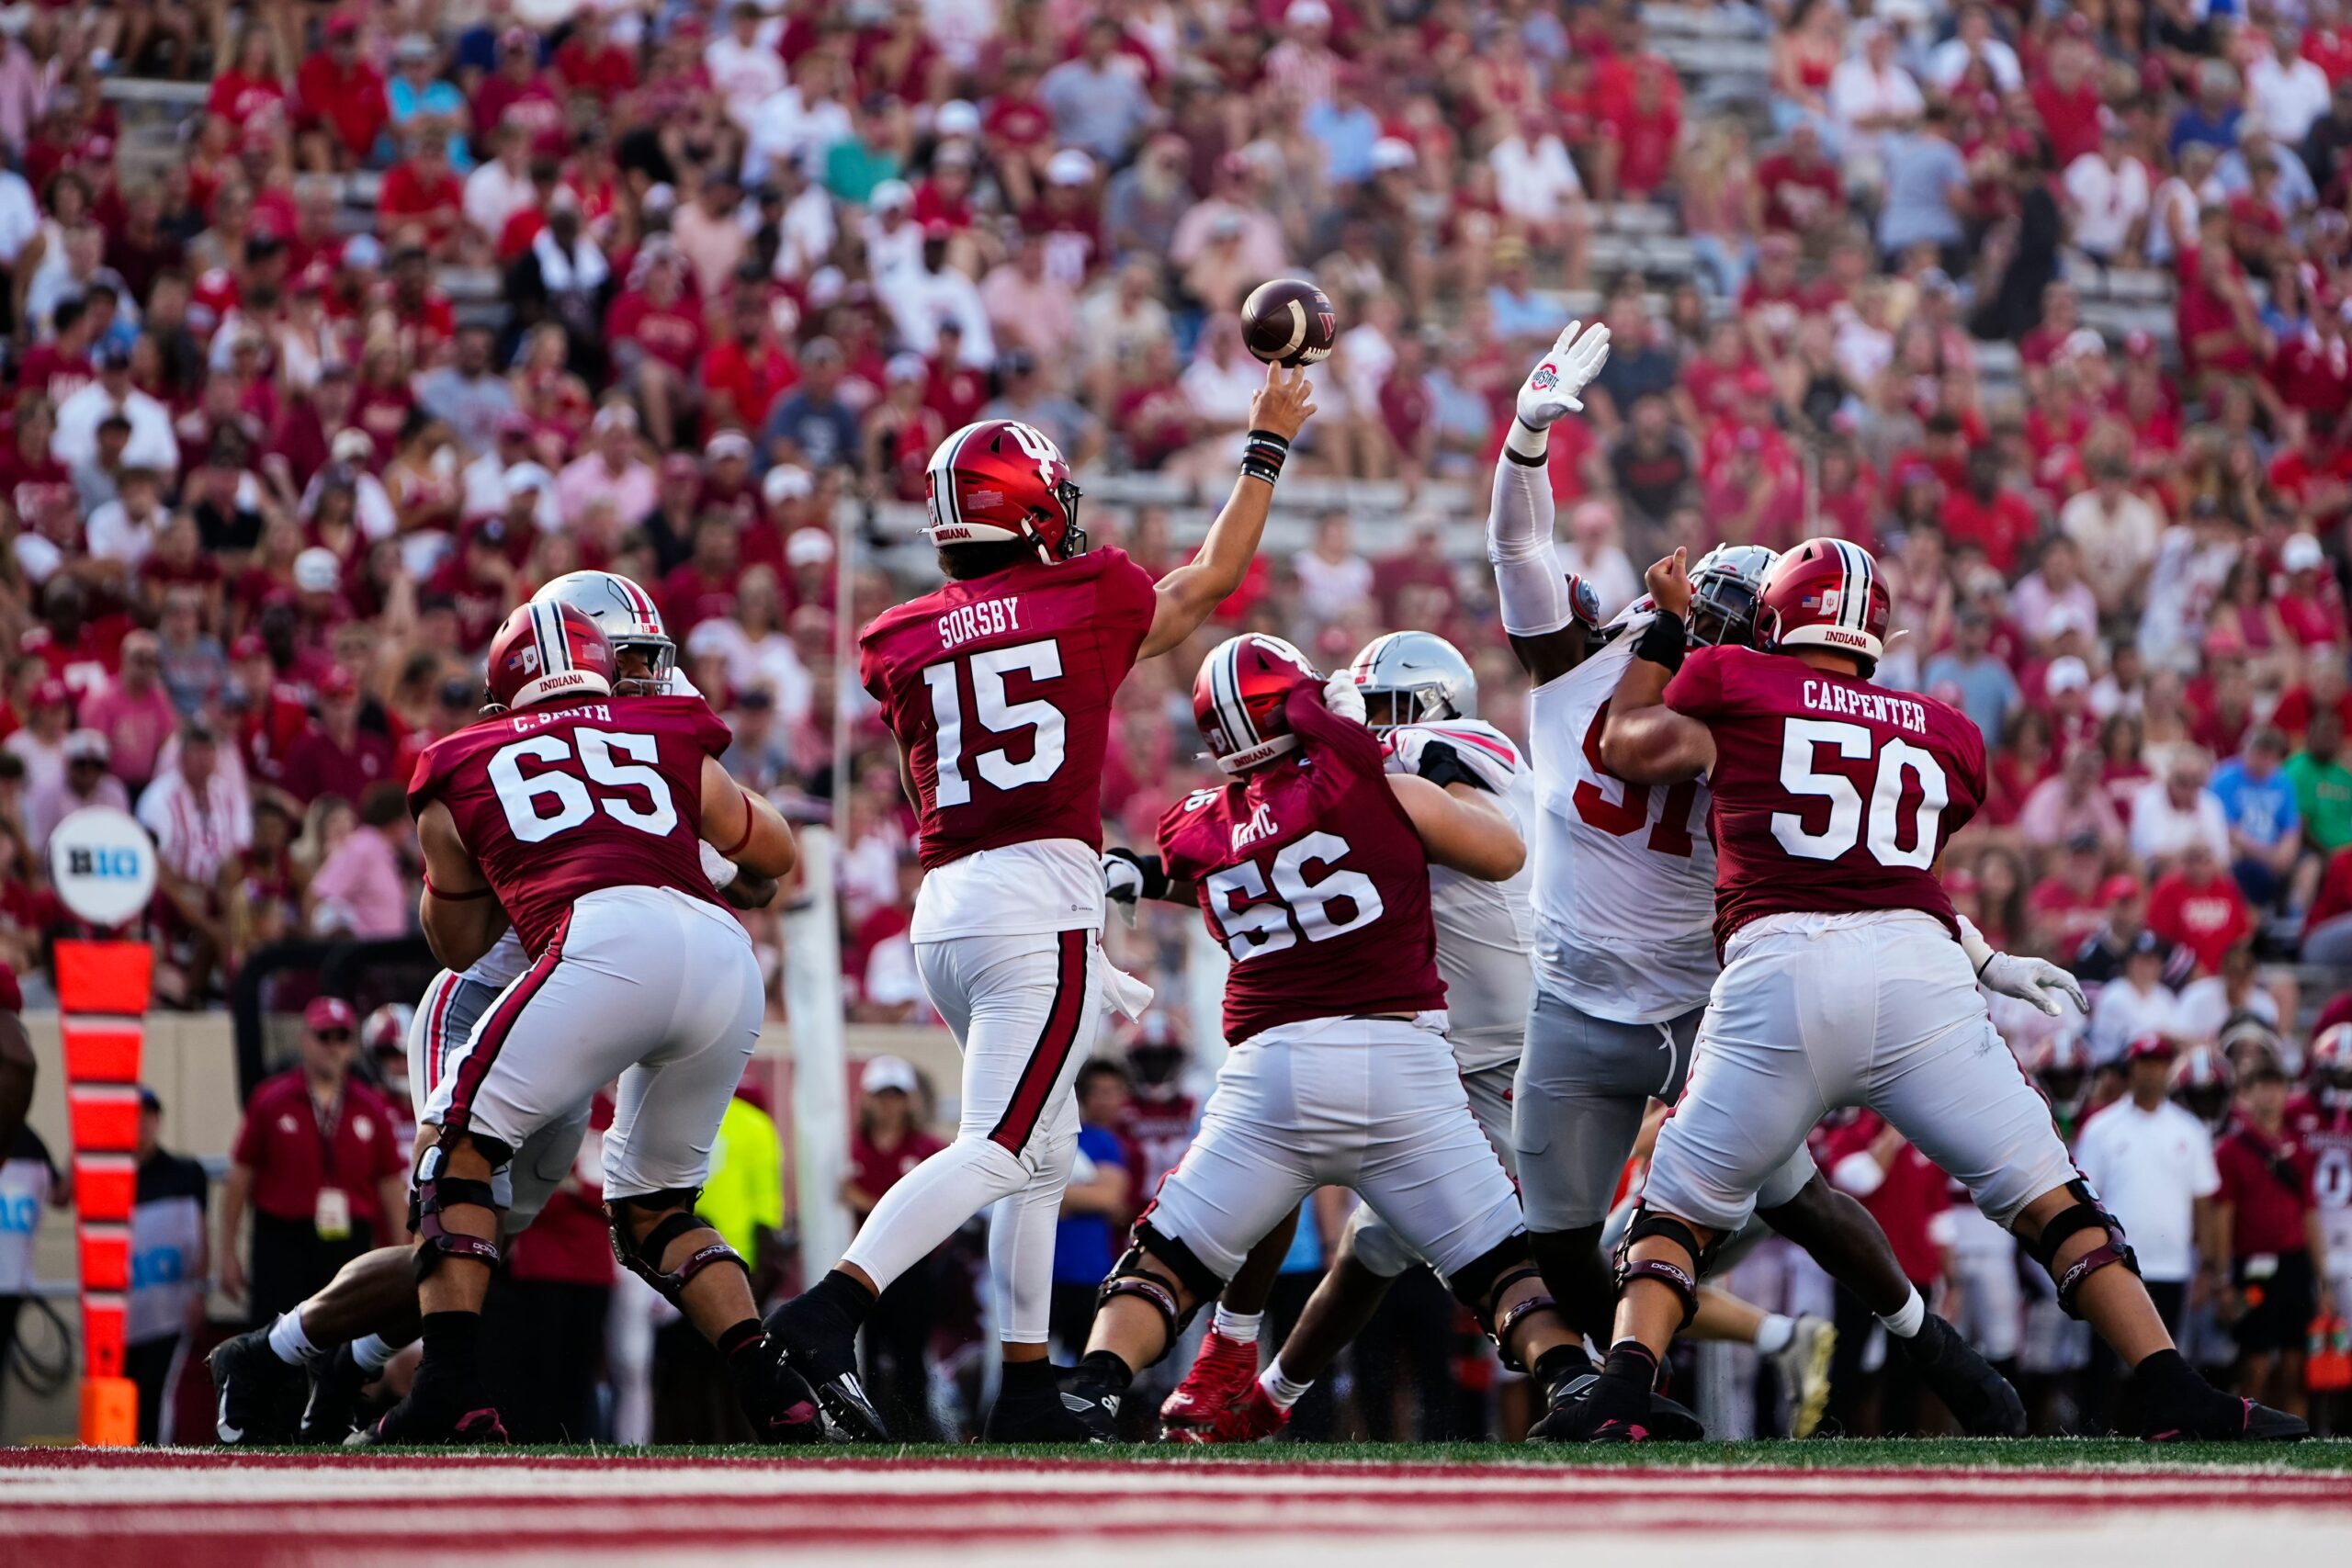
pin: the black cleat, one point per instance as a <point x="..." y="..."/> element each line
<point x="1979" y="1398"/>
<point x="333" y="1412"/>
<point x="2165" y="1401"/>
<point x="822" y="1349"/>
<point x="453" y="1416"/>
<point x="1077" y="1409"/>
<point x="777" y="1400"/>
<point x="258" y="1392"/>
<point x="1596" y="1408"/>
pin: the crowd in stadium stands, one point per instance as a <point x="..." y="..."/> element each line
<point x="432" y="300"/>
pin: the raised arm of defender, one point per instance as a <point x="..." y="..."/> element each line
<point x="1547" y="612"/>
<point x="1192" y="592"/>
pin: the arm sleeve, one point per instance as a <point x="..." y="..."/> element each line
<point x="1356" y="748"/>
<point x="1528" y="580"/>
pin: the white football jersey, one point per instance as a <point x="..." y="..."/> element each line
<point x="506" y="961"/>
<point x="1484" y="929"/>
<point x="1624" y="875"/>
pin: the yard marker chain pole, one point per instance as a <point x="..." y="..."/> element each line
<point x="104" y="870"/>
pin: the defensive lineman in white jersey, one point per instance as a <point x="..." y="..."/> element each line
<point x="1625" y="953"/>
<point x="343" y="1336"/>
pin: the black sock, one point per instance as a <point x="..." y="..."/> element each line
<point x="1631" y="1361"/>
<point x="844" y="1296"/>
<point x="1104" y="1367"/>
<point x="1028" y="1377"/>
<point x="745" y="1339"/>
<point x="450" y="1341"/>
<point x="2168" y="1372"/>
<point x="1558" y="1365"/>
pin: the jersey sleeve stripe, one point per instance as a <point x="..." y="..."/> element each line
<point x="1034" y="1090"/>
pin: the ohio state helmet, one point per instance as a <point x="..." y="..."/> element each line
<point x="548" y="653"/>
<point x="626" y="612"/>
<point x="1414" y="677"/>
<point x="1825" y="593"/>
<point x="1238" y="699"/>
<point x="1725" y="584"/>
<point x="998" y="480"/>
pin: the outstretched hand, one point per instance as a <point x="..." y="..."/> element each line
<point x="1552" y="387"/>
<point x="1285" y="403"/>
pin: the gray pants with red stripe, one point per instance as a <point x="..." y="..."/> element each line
<point x="649" y="986"/>
<point x="1024" y="1011"/>
<point x="445" y="1021"/>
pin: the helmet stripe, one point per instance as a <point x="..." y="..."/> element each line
<point x="1224" y="689"/>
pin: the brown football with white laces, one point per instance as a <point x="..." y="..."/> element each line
<point x="1289" y="322"/>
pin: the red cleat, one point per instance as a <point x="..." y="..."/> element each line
<point x="1254" y="1418"/>
<point x="1222" y="1375"/>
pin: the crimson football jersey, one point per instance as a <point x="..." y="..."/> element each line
<point x="1831" y="796"/>
<point x="999" y="691"/>
<point x="557" y="803"/>
<point x="1311" y="875"/>
<point x="2321" y="1123"/>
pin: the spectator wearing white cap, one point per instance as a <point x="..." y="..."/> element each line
<point x="1303" y="64"/>
<point x="1097" y="98"/>
<point x="84" y="780"/>
<point x="2169" y="811"/>
<point x="893" y="239"/>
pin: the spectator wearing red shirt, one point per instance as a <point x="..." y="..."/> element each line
<point x="2214" y="316"/>
<point x="339" y="93"/>
<point x="1802" y="192"/>
<point x="591" y="62"/>
<point x="318" y="1160"/>
<point x="1908" y="1195"/>
<point x="749" y="367"/>
<point x="2066" y="96"/>
<point x="422" y="194"/>
<point x="1999" y="522"/>
<point x="2198" y="908"/>
<point x="2309" y="602"/>
<point x="1637" y="97"/>
<point x="657" y="337"/>
<point x="889" y="1141"/>
<point x="249" y="93"/>
<point x="517" y="94"/>
<point x="2271" y="1234"/>
<point x="703" y="587"/>
<point x="335" y="756"/>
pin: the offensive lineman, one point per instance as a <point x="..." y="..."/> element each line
<point x="578" y="820"/>
<point x="1848" y="979"/>
<point x="998" y="687"/>
<point x="1311" y="867"/>
<point x="1623" y="887"/>
<point x="347" y="1333"/>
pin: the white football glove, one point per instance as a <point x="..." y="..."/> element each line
<point x="2032" y="980"/>
<point x="1552" y="387"/>
<point x="1344" y="697"/>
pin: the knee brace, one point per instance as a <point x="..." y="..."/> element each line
<point x="2085" y="1214"/>
<point x="1683" y="1282"/>
<point x="433" y="1192"/>
<point x="1130" y="1278"/>
<point x="1479" y="1284"/>
<point x="643" y="1257"/>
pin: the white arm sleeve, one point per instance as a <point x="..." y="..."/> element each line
<point x="1529" y="583"/>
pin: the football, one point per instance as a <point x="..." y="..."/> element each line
<point x="1289" y="322"/>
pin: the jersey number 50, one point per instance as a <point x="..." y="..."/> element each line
<point x="572" y="804"/>
<point x="1895" y="759"/>
<point x="994" y="716"/>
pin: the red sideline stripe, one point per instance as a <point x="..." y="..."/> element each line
<point x="1045" y="1068"/>
<point x="436" y="1031"/>
<point x="490" y="1034"/>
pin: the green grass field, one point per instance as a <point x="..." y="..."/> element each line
<point x="2324" y="1456"/>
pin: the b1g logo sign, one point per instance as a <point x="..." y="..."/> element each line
<point x="102" y="864"/>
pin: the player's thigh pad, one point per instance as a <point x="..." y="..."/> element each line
<point x="666" y="1114"/>
<point x="1491" y="1091"/>
<point x="1942" y="1075"/>
<point x="1583" y="1086"/>
<point x="1024" y="1009"/>
<point x="539" y="1166"/>
<point x="1425" y="1167"/>
<point x="1269" y="1134"/>
<point x="1778" y="1043"/>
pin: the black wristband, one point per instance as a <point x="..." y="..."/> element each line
<point x="1149" y="867"/>
<point x="1263" y="453"/>
<point x="1664" y="640"/>
<point x="1441" y="765"/>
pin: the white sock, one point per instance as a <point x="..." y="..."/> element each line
<point x="288" y="1342"/>
<point x="1907" y="1319"/>
<point x="372" y="1354"/>
<point x="1773" y="1335"/>
<point x="1280" y="1389"/>
<point x="1242" y="1327"/>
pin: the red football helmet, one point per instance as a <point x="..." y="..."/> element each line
<point x="998" y="479"/>
<point x="1238" y="699"/>
<point x="2331" y="1055"/>
<point x="1825" y="593"/>
<point x="548" y="653"/>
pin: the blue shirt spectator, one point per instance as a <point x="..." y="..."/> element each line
<point x="1971" y="678"/>
<point x="1923" y="172"/>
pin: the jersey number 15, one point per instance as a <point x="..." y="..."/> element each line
<point x="993" y="715"/>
